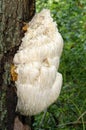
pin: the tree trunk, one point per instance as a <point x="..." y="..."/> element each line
<point x="12" y="15"/>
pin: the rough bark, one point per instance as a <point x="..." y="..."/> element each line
<point x="12" y="15"/>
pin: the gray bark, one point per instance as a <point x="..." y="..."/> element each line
<point x="12" y="15"/>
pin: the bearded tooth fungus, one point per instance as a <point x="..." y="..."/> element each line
<point x="37" y="60"/>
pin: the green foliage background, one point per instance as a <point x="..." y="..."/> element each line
<point x="70" y="16"/>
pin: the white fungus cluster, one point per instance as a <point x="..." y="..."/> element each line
<point x="37" y="61"/>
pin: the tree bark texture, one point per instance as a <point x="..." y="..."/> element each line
<point x="12" y="15"/>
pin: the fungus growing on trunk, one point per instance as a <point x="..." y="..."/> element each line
<point x="36" y="64"/>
